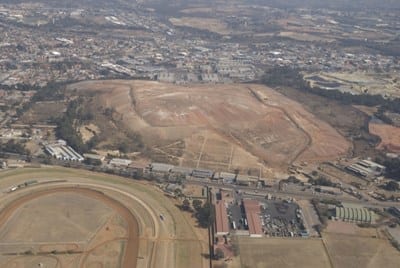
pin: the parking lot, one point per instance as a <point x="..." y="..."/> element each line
<point x="282" y="218"/>
<point x="236" y="214"/>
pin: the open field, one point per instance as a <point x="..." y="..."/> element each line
<point x="347" y="120"/>
<point x="88" y="220"/>
<point x="360" y="251"/>
<point x="30" y="225"/>
<point x="278" y="252"/>
<point x="390" y="136"/>
<point x="220" y="125"/>
<point x="357" y="83"/>
<point x="303" y="36"/>
<point x="209" y="24"/>
<point x="41" y="112"/>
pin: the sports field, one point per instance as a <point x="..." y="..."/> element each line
<point x="75" y="218"/>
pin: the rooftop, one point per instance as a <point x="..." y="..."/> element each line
<point x="221" y="219"/>
<point x="252" y="209"/>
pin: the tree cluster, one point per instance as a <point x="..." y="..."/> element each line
<point x="205" y="213"/>
<point x="322" y="181"/>
<point x="67" y="127"/>
<point x="392" y="167"/>
<point x="13" y="147"/>
<point x="291" y="77"/>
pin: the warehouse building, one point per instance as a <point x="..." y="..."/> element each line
<point x="202" y="173"/>
<point x="161" y="168"/>
<point x="354" y="214"/>
<point x="61" y="151"/>
<point x="221" y="219"/>
<point x="243" y="180"/>
<point x="367" y="168"/>
<point x="253" y="212"/>
<point x="226" y="177"/>
<point x="120" y="162"/>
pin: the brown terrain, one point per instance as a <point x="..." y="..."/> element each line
<point x="96" y="235"/>
<point x="75" y="218"/>
<point x="349" y="245"/>
<point x="390" y="136"/>
<point x="223" y="127"/>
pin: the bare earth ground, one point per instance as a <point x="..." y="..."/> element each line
<point x="341" y="227"/>
<point x="278" y="252"/>
<point x="389" y="135"/>
<point x="159" y="241"/>
<point x="32" y="223"/>
<point x="88" y="131"/>
<point x="223" y="127"/>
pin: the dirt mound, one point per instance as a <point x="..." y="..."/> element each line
<point x="242" y="120"/>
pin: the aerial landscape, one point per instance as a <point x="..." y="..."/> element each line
<point x="199" y="133"/>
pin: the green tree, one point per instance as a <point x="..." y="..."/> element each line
<point x="186" y="204"/>
<point x="197" y="204"/>
<point x="392" y="186"/>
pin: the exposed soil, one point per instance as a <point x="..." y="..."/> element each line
<point x="131" y="247"/>
<point x="346" y="119"/>
<point x="218" y="123"/>
<point x="390" y="136"/>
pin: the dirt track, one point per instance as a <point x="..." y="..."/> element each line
<point x="131" y="249"/>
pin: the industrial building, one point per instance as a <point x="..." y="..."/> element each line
<point x="62" y="151"/>
<point x="253" y="211"/>
<point x="182" y="170"/>
<point x="243" y="180"/>
<point x="226" y="177"/>
<point x="94" y="157"/>
<point x="367" y="168"/>
<point x="221" y="219"/>
<point x="202" y="173"/>
<point x="120" y="162"/>
<point x="354" y="214"/>
<point x="161" y="168"/>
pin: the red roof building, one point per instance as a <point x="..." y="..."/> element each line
<point x="252" y="209"/>
<point x="221" y="219"/>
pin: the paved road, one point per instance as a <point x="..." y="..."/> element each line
<point x="258" y="193"/>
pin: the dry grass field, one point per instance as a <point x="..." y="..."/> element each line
<point x="41" y="112"/>
<point x="278" y="252"/>
<point x="223" y="127"/>
<point x="360" y="251"/>
<point x="351" y="246"/>
<point x="86" y="221"/>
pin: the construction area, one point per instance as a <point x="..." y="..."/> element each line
<point x="75" y="218"/>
